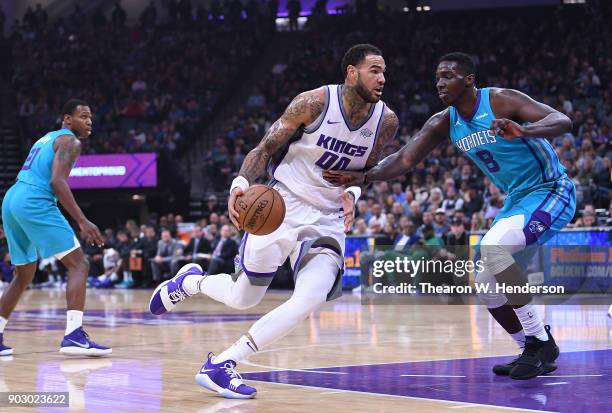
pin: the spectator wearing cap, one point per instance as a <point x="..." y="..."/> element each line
<point x="440" y="225"/>
<point x="460" y="214"/>
<point x="457" y="234"/>
<point x="472" y="202"/>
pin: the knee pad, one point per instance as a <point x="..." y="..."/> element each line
<point x="501" y="242"/>
<point x="496" y="258"/>
<point x="490" y="297"/>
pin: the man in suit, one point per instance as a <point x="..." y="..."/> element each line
<point x="196" y="249"/>
<point x="167" y="250"/>
<point x="145" y="250"/>
<point x="223" y="254"/>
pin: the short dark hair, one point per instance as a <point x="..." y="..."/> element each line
<point x="463" y="60"/>
<point x="71" y="105"/>
<point x="356" y="54"/>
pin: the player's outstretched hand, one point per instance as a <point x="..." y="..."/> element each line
<point x="507" y="129"/>
<point x="91" y="233"/>
<point x="348" y="206"/>
<point x="343" y="178"/>
<point x="233" y="214"/>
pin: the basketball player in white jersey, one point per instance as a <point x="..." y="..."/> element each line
<point x="341" y="127"/>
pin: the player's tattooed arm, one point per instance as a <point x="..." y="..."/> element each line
<point x="434" y="131"/>
<point x="510" y="105"/>
<point x="67" y="150"/>
<point x="388" y="130"/>
<point x="302" y="111"/>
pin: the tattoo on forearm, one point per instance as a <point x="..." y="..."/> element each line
<point x="388" y="129"/>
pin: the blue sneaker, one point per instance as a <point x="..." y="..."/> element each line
<point x="171" y="292"/>
<point x="4" y="350"/>
<point x="223" y="379"/>
<point x="78" y="343"/>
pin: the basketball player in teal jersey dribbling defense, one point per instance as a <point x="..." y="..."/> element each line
<point x="482" y="123"/>
<point x="35" y="227"/>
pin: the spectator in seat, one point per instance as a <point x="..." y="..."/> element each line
<point x="440" y="225"/>
<point x="141" y="258"/>
<point x="162" y="264"/>
<point x="225" y="250"/>
<point x="198" y="250"/>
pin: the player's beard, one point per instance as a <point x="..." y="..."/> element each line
<point x="364" y="93"/>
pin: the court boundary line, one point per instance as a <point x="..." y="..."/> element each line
<point x="273" y="368"/>
<point x="408" y="397"/>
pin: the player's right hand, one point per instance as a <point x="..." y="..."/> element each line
<point x="91" y="233"/>
<point x="343" y="178"/>
<point x="233" y="214"/>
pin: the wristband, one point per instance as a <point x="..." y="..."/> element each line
<point x="355" y="190"/>
<point x="239" y="182"/>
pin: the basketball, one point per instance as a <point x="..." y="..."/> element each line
<point x="261" y="209"/>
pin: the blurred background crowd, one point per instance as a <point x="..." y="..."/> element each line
<point x="200" y="84"/>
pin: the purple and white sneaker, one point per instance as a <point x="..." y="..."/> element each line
<point x="171" y="292"/>
<point x="4" y="350"/>
<point x="78" y="343"/>
<point x="223" y="379"/>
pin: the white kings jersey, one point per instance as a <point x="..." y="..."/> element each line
<point x="327" y="143"/>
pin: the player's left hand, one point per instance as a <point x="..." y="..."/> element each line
<point x="507" y="128"/>
<point x="343" y="178"/>
<point x="348" y="206"/>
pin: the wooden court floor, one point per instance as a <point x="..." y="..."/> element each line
<point x="346" y="357"/>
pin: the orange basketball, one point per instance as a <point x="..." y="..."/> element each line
<point x="261" y="210"/>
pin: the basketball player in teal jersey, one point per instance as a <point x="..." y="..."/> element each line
<point x="503" y="131"/>
<point x="35" y="227"/>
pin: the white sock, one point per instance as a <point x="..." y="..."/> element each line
<point x="531" y="322"/>
<point x="3" y="322"/>
<point x="240" y="350"/>
<point x="190" y="283"/>
<point x="519" y="337"/>
<point x="74" y="320"/>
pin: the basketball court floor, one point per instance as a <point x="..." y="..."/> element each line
<point x="346" y="357"/>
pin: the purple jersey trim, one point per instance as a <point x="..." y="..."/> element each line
<point x="315" y="126"/>
<point x="474" y="110"/>
<point x="244" y="268"/>
<point x="382" y="115"/>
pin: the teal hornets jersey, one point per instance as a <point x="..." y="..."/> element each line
<point x="514" y="165"/>
<point x="36" y="169"/>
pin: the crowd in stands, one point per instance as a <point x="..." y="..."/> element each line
<point x="155" y="85"/>
<point x="144" y="255"/>
<point x="548" y="53"/>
